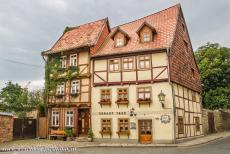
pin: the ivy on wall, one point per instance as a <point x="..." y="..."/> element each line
<point x="54" y="74"/>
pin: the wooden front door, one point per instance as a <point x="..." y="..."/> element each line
<point x="83" y="122"/>
<point x="145" y="131"/>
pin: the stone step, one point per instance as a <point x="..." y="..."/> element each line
<point x="82" y="139"/>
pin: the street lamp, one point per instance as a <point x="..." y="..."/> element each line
<point x="161" y="97"/>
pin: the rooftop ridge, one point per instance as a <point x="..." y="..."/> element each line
<point x="176" y="5"/>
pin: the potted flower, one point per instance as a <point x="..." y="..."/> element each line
<point x="90" y="135"/>
<point x="69" y="134"/>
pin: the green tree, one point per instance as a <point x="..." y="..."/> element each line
<point x="214" y="63"/>
<point x="18" y="100"/>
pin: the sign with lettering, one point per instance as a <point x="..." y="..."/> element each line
<point x="165" y="119"/>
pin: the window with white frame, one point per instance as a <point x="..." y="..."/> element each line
<point x="119" y="42"/>
<point x="69" y="119"/>
<point x="144" y="62"/>
<point x="75" y="87"/>
<point x="55" y="118"/>
<point x="128" y="63"/>
<point x="73" y="60"/>
<point x="61" y="89"/>
<point x="63" y="62"/>
<point x="114" y="65"/>
<point x="146" y="37"/>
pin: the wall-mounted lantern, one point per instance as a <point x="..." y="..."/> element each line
<point x="161" y="97"/>
<point x="132" y="112"/>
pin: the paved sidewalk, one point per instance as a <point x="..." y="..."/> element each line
<point x="192" y="142"/>
<point x="55" y="145"/>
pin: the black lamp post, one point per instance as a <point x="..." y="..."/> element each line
<point x="161" y="97"/>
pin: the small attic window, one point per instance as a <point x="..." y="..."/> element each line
<point x="146" y="37"/>
<point x="120" y="37"/>
<point x="193" y="72"/>
<point x="119" y="42"/>
<point x="183" y="26"/>
<point x="146" y="32"/>
<point x="186" y="46"/>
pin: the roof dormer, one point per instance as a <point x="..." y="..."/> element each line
<point x="120" y="37"/>
<point x="146" y="32"/>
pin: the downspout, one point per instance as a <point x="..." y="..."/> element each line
<point x="173" y="95"/>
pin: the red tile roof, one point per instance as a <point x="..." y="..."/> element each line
<point x="80" y="36"/>
<point x="164" y="23"/>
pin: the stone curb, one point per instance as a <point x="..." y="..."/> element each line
<point x="40" y="149"/>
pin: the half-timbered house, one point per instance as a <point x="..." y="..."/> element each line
<point x="138" y="81"/>
<point x="145" y="81"/>
<point x="69" y="104"/>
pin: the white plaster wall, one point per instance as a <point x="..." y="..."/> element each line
<point x="160" y="131"/>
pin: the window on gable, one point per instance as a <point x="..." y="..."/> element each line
<point x="69" y="119"/>
<point x="119" y="42"/>
<point x="128" y="63"/>
<point x="75" y="87"/>
<point x="73" y="60"/>
<point x="63" y="62"/>
<point x="55" y="118"/>
<point x="146" y="37"/>
<point x="193" y="73"/>
<point x="186" y="46"/>
<point x="144" y="62"/>
<point x="60" y="89"/>
<point x="114" y="65"/>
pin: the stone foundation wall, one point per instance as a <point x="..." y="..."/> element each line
<point x="6" y="127"/>
<point x="221" y="120"/>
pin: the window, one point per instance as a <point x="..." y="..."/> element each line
<point x="69" y="119"/>
<point x="73" y="60"/>
<point x="119" y="42"/>
<point x="144" y="93"/>
<point x="122" y="94"/>
<point x="106" y="125"/>
<point x="75" y="87"/>
<point x="123" y="125"/>
<point x="63" y="62"/>
<point x="60" y="89"/>
<point x="186" y="46"/>
<point x="105" y="95"/>
<point x="128" y="63"/>
<point x="55" y="118"/>
<point x="114" y="65"/>
<point x="180" y="125"/>
<point x="146" y="37"/>
<point x="144" y="62"/>
<point x="197" y="123"/>
<point x="193" y="96"/>
<point x="193" y="72"/>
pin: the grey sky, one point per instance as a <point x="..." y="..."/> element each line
<point x="29" y="26"/>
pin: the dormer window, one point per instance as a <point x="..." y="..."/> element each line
<point x="119" y="42"/>
<point x="119" y="37"/>
<point x="146" y="32"/>
<point x="146" y="37"/>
